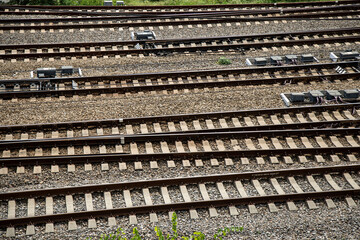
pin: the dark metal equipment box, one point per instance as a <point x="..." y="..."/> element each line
<point x="46" y="72"/>
<point x="297" y="97"/>
<point x="67" y="70"/>
<point x="291" y="58"/>
<point x="145" y="35"/>
<point x="351" y="93"/>
<point x="332" y="94"/>
<point x="274" y="60"/>
<point x="307" y="58"/>
<point x="349" y="55"/>
<point x="108" y="3"/>
<point x="260" y="61"/>
<point x="314" y="95"/>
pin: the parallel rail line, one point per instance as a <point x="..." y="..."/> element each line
<point x="150" y="82"/>
<point x="239" y="181"/>
<point x="292" y="4"/>
<point x="189" y="17"/>
<point x="169" y="14"/>
<point x="120" y="123"/>
<point x="182" y="136"/>
<point x="166" y="22"/>
<point x="170" y="46"/>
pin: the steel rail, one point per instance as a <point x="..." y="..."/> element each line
<point x="193" y="49"/>
<point x="179" y="117"/>
<point x="170" y="13"/>
<point x="186" y="73"/>
<point x="144" y="88"/>
<point x="178" y="206"/>
<point x="194" y="14"/>
<point x="171" y="136"/>
<point x="281" y="4"/>
<point x="306" y="125"/>
<point x="177" y="181"/>
<point x="124" y="157"/>
<point x="167" y="23"/>
<point x="183" y="40"/>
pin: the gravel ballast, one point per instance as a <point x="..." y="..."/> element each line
<point x="341" y="222"/>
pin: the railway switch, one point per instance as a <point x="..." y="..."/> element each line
<point x="46" y="72"/>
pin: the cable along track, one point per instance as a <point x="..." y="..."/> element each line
<point x="152" y="83"/>
<point x="233" y="190"/>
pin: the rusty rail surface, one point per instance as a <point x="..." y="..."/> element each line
<point x="178" y="206"/>
<point x="179" y="117"/>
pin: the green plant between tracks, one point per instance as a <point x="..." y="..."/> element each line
<point x="220" y="234"/>
<point x="224" y="61"/>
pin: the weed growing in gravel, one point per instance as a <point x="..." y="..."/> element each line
<point x="219" y="235"/>
<point x="224" y="61"/>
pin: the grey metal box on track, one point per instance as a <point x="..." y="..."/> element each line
<point x="307" y="58"/>
<point x="331" y="94"/>
<point x="108" y="3"/>
<point x="351" y="93"/>
<point x="67" y="70"/>
<point x="297" y="97"/>
<point x="291" y="58"/>
<point x="260" y="61"/>
<point x="313" y="95"/>
<point x="349" y="55"/>
<point x="275" y="59"/>
<point x="120" y="3"/>
<point x="46" y="72"/>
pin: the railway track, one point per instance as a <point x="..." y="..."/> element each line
<point x="320" y="116"/>
<point x="189" y="19"/>
<point x="240" y="43"/>
<point x="176" y="82"/>
<point x="73" y="10"/>
<point x="276" y="189"/>
<point x="275" y="146"/>
<point x="180" y="18"/>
